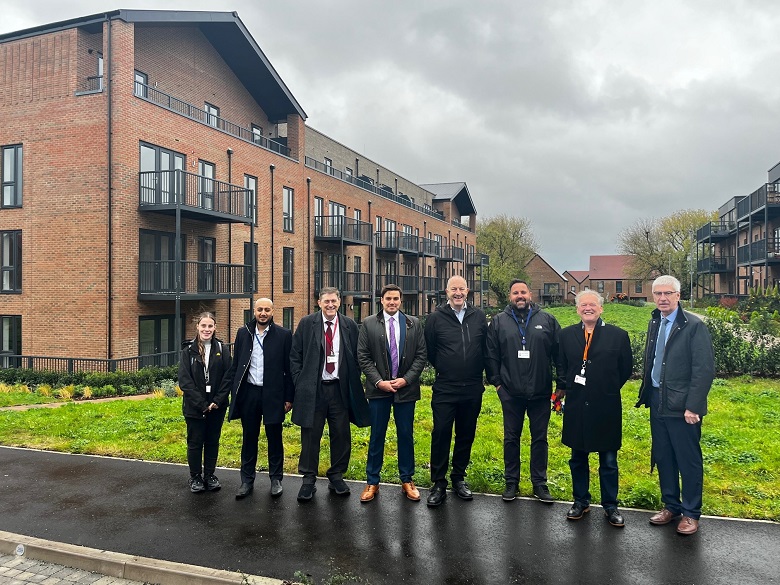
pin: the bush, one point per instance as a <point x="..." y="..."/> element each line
<point x="142" y="381"/>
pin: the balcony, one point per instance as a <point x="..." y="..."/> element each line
<point x="462" y="226"/>
<point x="432" y="284"/>
<point x="369" y="185"/>
<point x="715" y="230"/>
<point x="409" y="284"/>
<point x="395" y="241"/>
<point x="477" y="259"/>
<point x="768" y="195"/>
<point x="197" y="196"/>
<point x="767" y="250"/>
<point x="452" y="254"/>
<point x="430" y="248"/>
<point x="199" y="280"/>
<point x="716" y="264"/>
<point x="153" y="95"/>
<point x="348" y="283"/>
<point x="92" y="84"/>
<point x="337" y="228"/>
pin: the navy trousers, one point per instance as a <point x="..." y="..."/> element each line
<point x="538" y="419"/>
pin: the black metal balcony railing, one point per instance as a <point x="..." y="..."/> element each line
<point x="195" y="193"/>
<point x="349" y="283"/>
<point x="92" y="84"/>
<point x="462" y="226"/>
<point x="759" y="251"/>
<point x="69" y="365"/>
<point x="369" y="186"/>
<point x="409" y="284"/>
<point x="453" y="254"/>
<point x="338" y="227"/>
<point x="715" y="230"/>
<point x="429" y="247"/>
<point x="432" y="283"/>
<point x="198" y="279"/>
<point x="767" y="194"/>
<point x="396" y="241"/>
<point x="716" y="264"/>
<point x="199" y="114"/>
<point x="477" y="259"/>
<point x="479" y="286"/>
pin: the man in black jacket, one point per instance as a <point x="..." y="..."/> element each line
<point x="522" y="348"/>
<point x="261" y="389"/>
<point x="455" y="335"/>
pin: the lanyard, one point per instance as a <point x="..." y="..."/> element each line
<point x="588" y="340"/>
<point x="259" y="338"/>
<point x="522" y="328"/>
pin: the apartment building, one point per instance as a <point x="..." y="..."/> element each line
<point x="154" y="165"/>
<point x="742" y="248"/>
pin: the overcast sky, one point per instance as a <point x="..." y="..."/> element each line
<point x="580" y="115"/>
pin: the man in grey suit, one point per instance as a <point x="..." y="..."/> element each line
<point x="392" y="355"/>
<point x="325" y="372"/>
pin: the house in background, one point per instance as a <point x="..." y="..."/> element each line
<point x="609" y="275"/>
<point x="546" y="283"/>
<point x="577" y="280"/>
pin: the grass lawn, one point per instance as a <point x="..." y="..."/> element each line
<point x="742" y="464"/>
<point x="633" y="319"/>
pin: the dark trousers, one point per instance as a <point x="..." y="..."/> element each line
<point x="608" y="477"/>
<point x="677" y="454"/>
<point x="538" y="411"/>
<point x="330" y="407"/>
<point x="463" y="413"/>
<point x="203" y="442"/>
<point x="251" y="417"/>
<point x="403" y="413"/>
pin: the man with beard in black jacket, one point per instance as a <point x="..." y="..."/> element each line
<point x="522" y="348"/>
<point x="455" y="335"/>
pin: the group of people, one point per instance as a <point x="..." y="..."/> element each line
<point x="523" y="352"/>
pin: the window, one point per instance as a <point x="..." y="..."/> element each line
<point x="288" y="207"/>
<point x="157" y="339"/>
<point x="288" y="263"/>
<point x="257" y="134"/>
<point x="357" y="263"/>
<point x="206" y="172"/>
<point x="319" y="211"/>
<point x="619" y="286"/>
<point x="600" y="286"/>
<point x="141" y="84"/>
<point x="287" y="317"/>
<point x="328" y="166"/>
<point x="348" y="174"/>
<point x="337" y="212"/>
<point x="551" y="289"/>
<point x="10" y="339"/>
<point x="249" y="315"/>
<point x="638" y="287"/>
<point x="158" y="174"/>
<point x="157" y="262"/>
<point x="358" y="215"/>
<point x="212" y="115"/>
<point x="318" y="264"/>
<point x="206" y="265"/>
<point x="12" y="176"/>
<point x="11" y="257"/>
<point x="250" y="183"/>
<point x="250" y="254"/>
<point x="99" y="76"/>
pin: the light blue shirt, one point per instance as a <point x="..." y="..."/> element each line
<point x="459" y="314"/>
<point x="671" y="319"/>
<point x="256" y="366"/>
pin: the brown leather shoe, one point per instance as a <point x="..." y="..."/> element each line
<point x="369" y="492"/>
<point x="663" y="517"/>
<point x="687" y="526"/>
<point x="410" y="491"/>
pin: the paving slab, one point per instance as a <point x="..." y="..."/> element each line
<point x="144" y="509"/>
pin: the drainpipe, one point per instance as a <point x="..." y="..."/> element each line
<point x="110" y="162"/>
<point x="230" y="239"/>
<point x="308" y="252"/>
<point x="272" y="167"/>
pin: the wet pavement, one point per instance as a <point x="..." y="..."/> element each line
<point x="145" y="509"/>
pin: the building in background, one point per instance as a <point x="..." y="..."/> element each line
<point x="154" y="165"/>
<point x="610" y="276"/>
<point x="546" y="284"/>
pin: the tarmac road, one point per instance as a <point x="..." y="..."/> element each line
<point x="145" y="509"/>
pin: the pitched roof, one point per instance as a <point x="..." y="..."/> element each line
<point x="614" y="267"/>
<point x="578" y="275"/>
<point x="224" y="30"/>
<point x="535" y="256"/>
<point x="457" y="192"/>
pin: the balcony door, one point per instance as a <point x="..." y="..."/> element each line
<point x="157" y="266"/>
<point x="337" y="213"/>
<point x="157" y="339"/>
<point x="206" y="266"/>
<point x="158" y="176"/>
<point x="206" y="184"/>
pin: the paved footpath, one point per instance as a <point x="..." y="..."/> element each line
<point x="144" y="510"/>
<point x="18" y="570"/>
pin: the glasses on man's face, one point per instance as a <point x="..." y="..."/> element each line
<point x="665" y="293"/>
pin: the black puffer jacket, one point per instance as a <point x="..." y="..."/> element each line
<point x="192" y="378"/>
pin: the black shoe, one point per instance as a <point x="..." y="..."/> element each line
<point x="212" y="483"/>
<point x="244" y="491"/>
<point x="542" y="493"/>
<point x="510" y="493"/>
<point x="306" y="492"/>
<point x="276" y="488"/>
<point x="339" y="487"/>
<point x="437" y="495"/>
<point x="196" y="484"/>
<point x="461" y="489"/>
<point x="577" y="511"/>
<point x="614" y="517"/>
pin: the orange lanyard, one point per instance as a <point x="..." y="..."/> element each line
<point x="588" y="339"/>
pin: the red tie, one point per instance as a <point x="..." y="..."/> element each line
<point x="330" y="367"/>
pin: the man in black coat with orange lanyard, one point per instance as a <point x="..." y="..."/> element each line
<point x="594" y="361"/>
<point x="261" y="389"/>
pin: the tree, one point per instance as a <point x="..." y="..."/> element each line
<point x="510" y="243"/>
<point x="665" y="245"/>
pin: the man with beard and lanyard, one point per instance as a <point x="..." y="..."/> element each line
<point x="455" y="336"/>
<point x="261" y="389"/>
<point x="522" y="347"/>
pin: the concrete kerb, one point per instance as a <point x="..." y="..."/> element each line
<point x="121" y="565"/>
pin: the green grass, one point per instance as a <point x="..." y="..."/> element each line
<point x="742" y="465"/>
<point x="633" y="319"/>
<point x="21" y="398"/>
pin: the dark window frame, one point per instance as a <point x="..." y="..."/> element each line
<point x="212" y="114"/>
<point x="288" y="269"/>
<point x="14" y="346"/>
<point x="12" y="270"/>
<point x="288" y="209"/>
<point x="141" y="84"/>
<point x="14" y="183"/>
<point x="288" y="317"/>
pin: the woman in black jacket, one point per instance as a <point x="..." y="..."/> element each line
<point x="204" y="360"/>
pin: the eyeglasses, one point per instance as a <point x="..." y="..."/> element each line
<point x="665" y="293"/>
